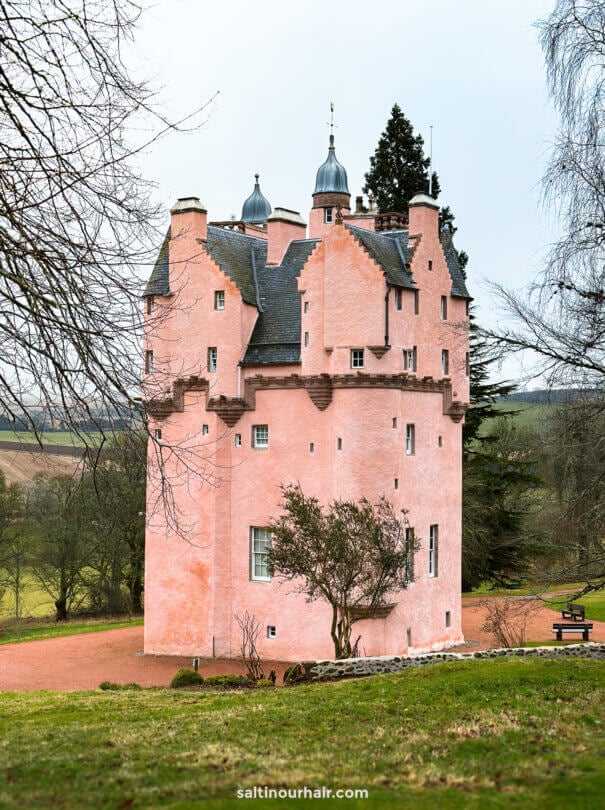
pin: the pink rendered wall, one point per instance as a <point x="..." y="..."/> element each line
<point x="279" y="236"/>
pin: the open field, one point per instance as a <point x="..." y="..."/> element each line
<point x="59" y="437"/>
<point x="490" y="734"/>
<point x="19" y="466"/>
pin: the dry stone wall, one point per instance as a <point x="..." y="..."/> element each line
<point x="358" y="667"/>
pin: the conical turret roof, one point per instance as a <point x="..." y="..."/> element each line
<point x="331" y="175"/>
<point x="256" y="208"/>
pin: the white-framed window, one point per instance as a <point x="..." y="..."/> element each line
<point x="260" y="543"/>
<point x="445" y="362"/>
<point x="205" y="430"/>
<point x="444" y="307"/>
<point x="398" y="298"/>
<point x="410" y="440"/>
<point x="328" y="216"/>
<point x="409" y="359"/>
<point x="157" y="434"/>
<point x="416" y="302"/>
<point x="306" y="338"/>
<point x="260" y="436"/>
<point x="409" y="554"/>
<point x="212" y="359"/>
<point x="238" y="439"/>
<point x="433" y="549"/>
<point x="219" y="299"/>
<point x="356" y="358"/>
<point x="150" y="305"/>
<point x="149" y="362"/>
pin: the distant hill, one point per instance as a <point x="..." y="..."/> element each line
<point x="548" y="396"/>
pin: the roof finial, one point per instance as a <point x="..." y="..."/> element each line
<point x="332" y="124"/>
<point x="256" y="176"/>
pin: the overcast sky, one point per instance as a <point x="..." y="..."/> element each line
<point x="472" y="69"/>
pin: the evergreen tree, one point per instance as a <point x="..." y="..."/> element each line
<point x="399" y="168"/>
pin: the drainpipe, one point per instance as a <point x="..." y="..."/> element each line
<point x="386" y="315"/>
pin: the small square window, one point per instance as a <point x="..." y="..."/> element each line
<point x="260" y="543"/>
<point x="356" y="358"/>
<point x="219" y="299"/>
<point x="271" y="631"/>
<point x="445" y="362"/>
<point x="212" y="359"/>
<point x="328" y="216"/>
<point x="238" y="439"/>
<point x="150" y="305"/>
<point x="416" y="302"/>
<point x="148" y="362"/>
<point x="306" y="338"/>
<point x="205" y="430"/>
<point x="444" y="307"/>
<point x="398" y="299"/>
<point x="157" y="434"/>
<point x="410" y="440"/>
<point x="260" y="436"/>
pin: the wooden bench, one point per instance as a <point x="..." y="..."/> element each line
<point x="577" y="627"/>
<point x="574" y="611"/>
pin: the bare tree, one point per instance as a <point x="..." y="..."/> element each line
<point x="76" y="221"/>
<point x="250" y="628"/>
<point x="561" y="317"/>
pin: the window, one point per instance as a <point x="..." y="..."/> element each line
<point x="149" y="362"/>
<point x="306" y="338"/>
<point x="394" y="423"/>
<point x="356" y="358"/>
<point x="150" y="305"/>
<point x="212" y="358"/>
<point x="312" y="447"/>
<point x="306" y="307"/>
<point x="398" y="299"/>
<point x="238" y="439"/>
<point x="448" y="618"/>
<point x="440" y="441"/>
<point x="260" y="543"/>
<point x="430" y="264"/>
<point x="444" y="307"/>
<point x="416" y="302"/>
<point x="260" y="436"/>
<point x="396" y="483"/>
<point x="409" y="359"/>
<point x="157" y="434"/>
<point x="328" y="215"/>
<point x="410" y="440"/>
<point x="219" y="299"/>
<point x="468" y="307"/>
<point x="467" y="364"/>
<point x="339" y="444"/>
<point x="205" y="430"/>
<point x="445" y="361"/>
<point x="433" y="548"/>
<point x="408" y="634"/>
<point x="271" y="631"/>
<point x="409" y="554"/>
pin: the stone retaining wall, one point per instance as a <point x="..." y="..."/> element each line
<point x="357" y="667"/>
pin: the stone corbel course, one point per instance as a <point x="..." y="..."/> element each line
<point x="360" y="667"/>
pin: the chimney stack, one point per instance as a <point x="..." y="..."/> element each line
<point x="283" y="227"/>
<point x="189" y="218"/>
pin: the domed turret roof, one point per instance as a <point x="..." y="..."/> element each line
<point x="256" y="208"/>
<point x="331" y="176"/>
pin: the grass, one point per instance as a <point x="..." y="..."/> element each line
<point x="59" y="437"/>
<point x="593" y="602"/>
<point x="21" y="631"/>
<point x="529" y="589"/>
<point x="477" y="735"/>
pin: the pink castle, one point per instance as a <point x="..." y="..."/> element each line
<point x="338" y="360"/>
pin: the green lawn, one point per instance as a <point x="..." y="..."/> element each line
<point x="474" y="736"/>
<point x="20" y="631"/>
<point x="593" y="602"/>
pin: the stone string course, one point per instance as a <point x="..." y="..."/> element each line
<point x="358" y="667"/>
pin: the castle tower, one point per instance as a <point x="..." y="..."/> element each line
<point x="331" y="198"/>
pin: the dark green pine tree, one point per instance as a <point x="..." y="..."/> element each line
<point x="399" y="168"/>
<point x="499" y="465"/>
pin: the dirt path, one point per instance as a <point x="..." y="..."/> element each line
<point x="84" y="661"/>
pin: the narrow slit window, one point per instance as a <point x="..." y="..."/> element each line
<point x="212" y="359"/>
<point x="396" y="483"/>
<point x="238" y="439"/>
<point x="157" y="434"/>
<point x="398" y="299"/>
<point x="444" y="307"/>
<point x="409" y="554"/>
<point x="433" y="549"/>
<point x="312" y="447"/>
<point x="149" y="362"/>
<point x="205" y="430"/>
<point x="430" y="264"/>
<point x="150" y="305"/>
<point x="306" y="338"/>
<point x="416" y="302"/>
<point x="445" y="362"/>
<point x="339" y="444"/>
<point x="410" y="440"/>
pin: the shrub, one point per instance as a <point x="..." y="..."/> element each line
<point x="294" y="674"/>
<point x="264" y="683"/>
<point x="227" y="680"/>
<point x="186" y="677"/>
<point x="110" y="686"/>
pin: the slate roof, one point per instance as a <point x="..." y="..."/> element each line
<point x="159" y="283"/>
<point x="390" y="250"/>
<point x="276" y="335"/>
<point x="451" y="258"/>
<point x="238" y="255"/>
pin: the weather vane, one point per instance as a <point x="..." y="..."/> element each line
<point x="331" y="123"/>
